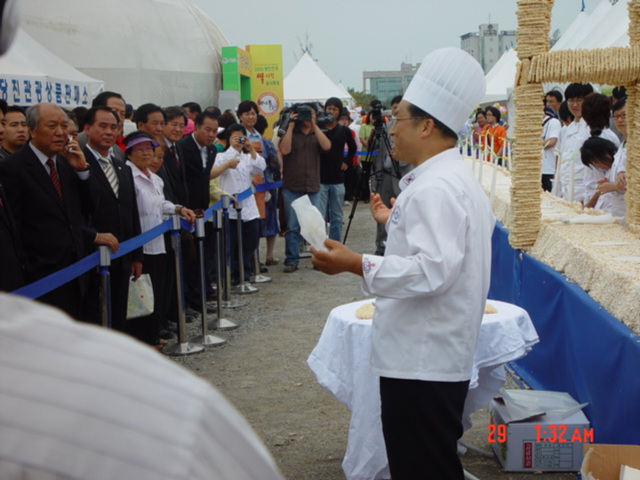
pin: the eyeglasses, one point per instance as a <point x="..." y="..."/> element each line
<point x="620" y="116"/>
<point x="575" y="100"/>
<point x="395" y="120"/>
<point x="176" y="125"/>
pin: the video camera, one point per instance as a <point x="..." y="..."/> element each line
<point x="377" y="119"/>
<point x="304" y="115"/>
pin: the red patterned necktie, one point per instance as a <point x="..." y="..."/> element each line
<point x="175" y="155"/>
<point x="53" y="174"/>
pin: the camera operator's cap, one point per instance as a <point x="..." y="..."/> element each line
<point x="448" y="85"/>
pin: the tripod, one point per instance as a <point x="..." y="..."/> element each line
<point x="379" y="137"/>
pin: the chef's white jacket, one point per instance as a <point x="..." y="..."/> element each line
<point x="432" y="283"/>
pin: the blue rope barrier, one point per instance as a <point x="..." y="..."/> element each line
<point x="59" y="278"/>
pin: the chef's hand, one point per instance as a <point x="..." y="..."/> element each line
<point x="379" y="210"/>
<point x="337" y="260"/>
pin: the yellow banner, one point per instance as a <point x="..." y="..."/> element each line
<point x="267" y="83"/>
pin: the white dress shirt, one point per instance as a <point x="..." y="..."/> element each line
<point x="432" y="283"/>
<point x="237" y="180"/>
<point x="550" y="130"/>
<point x="593" y="174"/>
<point x="573" y="137"/>
<point x="82" y="175"/>
<point x="81" y="402"/>
<point x="614" y="201"/>
<point x="152" y="206"/>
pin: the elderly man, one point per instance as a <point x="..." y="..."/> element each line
<point x="150" y="118"/>
<point x="116" y="213"/>
<point x="15" y="131"/>
<point x="431" y="285"/>
<point x="301" y="147"/>
<point x="51" y="199"/>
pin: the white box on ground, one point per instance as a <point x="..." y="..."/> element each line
<point x="542" y="443"/>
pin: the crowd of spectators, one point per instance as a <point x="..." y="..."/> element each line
<point x="588" y="151"/>
<point x="584" y="145"/>
<point x="74" y="180"/>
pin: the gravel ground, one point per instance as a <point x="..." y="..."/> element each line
<point x="262" y="369"/>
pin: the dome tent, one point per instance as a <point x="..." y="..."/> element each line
<point x="160" y="51"/>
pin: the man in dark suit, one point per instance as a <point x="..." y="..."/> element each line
<point x="173" y="171"/>
<point x="11" y="268"/>
<point x="51" y="199"/>
<point x="199" y="153"/>
<point x="116" y="103"/>
<point x="116" y="212"/>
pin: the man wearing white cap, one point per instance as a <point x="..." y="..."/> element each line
<point x="431" y="284"/>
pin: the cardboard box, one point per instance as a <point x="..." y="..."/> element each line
<point x="603" y="462"/>
<point x="543" y="443"/>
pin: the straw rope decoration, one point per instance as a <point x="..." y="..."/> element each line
<point x="610" y="66"/>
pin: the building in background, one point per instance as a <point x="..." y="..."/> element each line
<point x="385" y="85"/>
<point x="488" y="44"/>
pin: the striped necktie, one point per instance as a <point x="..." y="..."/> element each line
<point x="110" y="173"/>
<point x="53" y="174"/>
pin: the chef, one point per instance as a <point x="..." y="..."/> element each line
<point x="431" y="284"/>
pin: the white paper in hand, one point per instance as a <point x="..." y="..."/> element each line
<point x="312" y="226"/>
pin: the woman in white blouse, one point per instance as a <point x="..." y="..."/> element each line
<point x="153" y="209"/>
<point x="235" y="166"/>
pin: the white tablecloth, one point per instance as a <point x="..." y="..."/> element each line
<point x="340" y="362"/>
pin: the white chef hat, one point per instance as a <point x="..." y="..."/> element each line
<point x="448" y="86"/>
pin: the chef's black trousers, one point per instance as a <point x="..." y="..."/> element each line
<point x="421" y="423"/>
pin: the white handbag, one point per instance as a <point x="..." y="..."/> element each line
<point x="140" y="302"/>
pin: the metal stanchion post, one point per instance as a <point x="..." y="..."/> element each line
<point x="242" y="287"/>
<point x="220" y="323"/>
<point x="204" y="339"/>
<point x="226" y="271"/>
<point x="182" y="347"/>
<point x="257" y="276"/>
<point x="105" y="286"/>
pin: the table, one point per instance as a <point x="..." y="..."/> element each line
<point x="340" y="362"/>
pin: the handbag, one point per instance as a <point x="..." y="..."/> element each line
<point x="140" y="303"/>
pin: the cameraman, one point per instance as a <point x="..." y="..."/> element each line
<point x="301" y="147"/>
<point x="333" y="166"/>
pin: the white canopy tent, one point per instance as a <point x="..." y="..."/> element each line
<point x="606" y="26"/>
<point x="161" y="51"/>
<point x="500" y="78"/>
<point x="29" y="74"/>
<point x="308" y="83"/>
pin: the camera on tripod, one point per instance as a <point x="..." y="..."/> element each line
<point x="376" y="114"/>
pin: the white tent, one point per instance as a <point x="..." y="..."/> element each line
<point x="161" y="51"/>
<point x="500" y="78"/>
<point x="31" y="74"/>
<point x="606" y="26"/>
<point x="350" y="100"/>
<point x="308" y="83"/>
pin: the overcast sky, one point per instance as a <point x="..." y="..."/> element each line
<point x="347" y="37"/>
